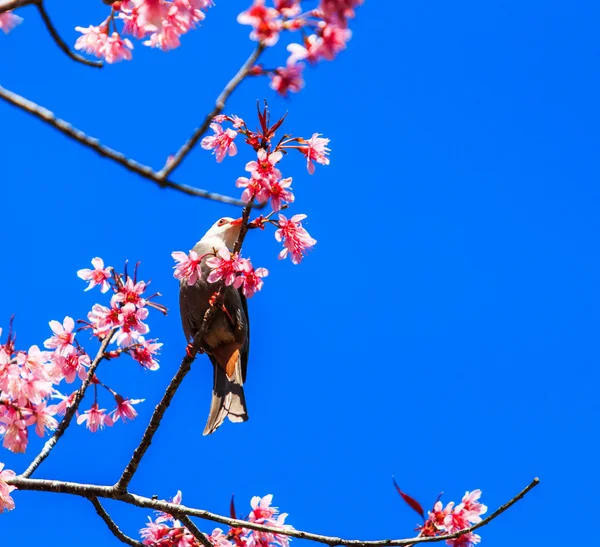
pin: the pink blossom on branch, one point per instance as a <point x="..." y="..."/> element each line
<point x="6" y="502"/>
<point x="8" y="21"/>
<point x="63" y="337"/>
<point x="125" y="410"/>
<point x="188" y="267"/>
<point x="288" y="78"/>
<point x="98" y="276"/>
<point x="144" y="351"/>
<point x="296" y="240"/>
<point x="95" y="418"/>
<point x="266" y="22"/>
<point x="315" y="150"/>
<point x="221" y="142"/>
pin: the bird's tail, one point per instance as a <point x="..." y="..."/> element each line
<point x="227" y="399"/>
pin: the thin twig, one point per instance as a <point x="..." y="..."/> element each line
<point x="185" y="149"/>
<point x="194" y="530"/>
<point x="60" y="42"/>
<point x="112" y="525"/>
<point x="143" y="170"/>
<point x="90" y="490"/>
<point x="9" y="5"/>
<point x="157" y="416"/>
<point x="71" y="410"/>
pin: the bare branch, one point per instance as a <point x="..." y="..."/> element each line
<point x="9" y="5"/>
<point x="174" y="161"/>
<point x="194" y="530"/>
<point x="143" y="170"/>
<point x="112" y="526"/>
<point x="157" y="416"/>
<point x="90" y="490"/>
<point x="71" y="410"/>
<point x="60" y="42"/>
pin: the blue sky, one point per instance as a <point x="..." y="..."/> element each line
<point x="444" y="330"/>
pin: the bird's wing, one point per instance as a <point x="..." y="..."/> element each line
<point x="193" y="303"/>
<point x="246" y="348"/>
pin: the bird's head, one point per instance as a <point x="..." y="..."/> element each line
<point x="226" y="230"/>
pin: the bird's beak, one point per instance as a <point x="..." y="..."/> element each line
<point x="237" y="221"/>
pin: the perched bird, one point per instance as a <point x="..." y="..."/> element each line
<point x="227" y="339"/>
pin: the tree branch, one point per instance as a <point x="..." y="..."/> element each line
<point x="157" y="416"/>
<point x="60" y="42"/>
<point x="71" y="410"/>
<point x="9" y="5"/>
<point x="91" y="490"/>
<point x="112" y="526"/>
<point x="174" y="162"/>
<point x="143" y="170"/>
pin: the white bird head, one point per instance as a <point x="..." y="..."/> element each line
<point x="226" y="230"/>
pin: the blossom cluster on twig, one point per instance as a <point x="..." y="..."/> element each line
<point x="167" y="531"/>
<point x="264" y="184"/>
<point x="30" y="379"/>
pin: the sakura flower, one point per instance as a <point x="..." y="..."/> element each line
<point x="296" y="240"/>
<point x="333" y="40"/>
<point x="238" y="123"/>
<point x="471" y="507"/>
<point x="95" y="418"/>
<point x="456" y="520"/>
<point x="287" y="78"/>
<point x="143" y="352"/>
<point x="263" y="168"/>
<point x="253" y="188"/>
<point x="279" y="191"/>
<point x="130" y="320"/>
<point x="117" y="49"/>
<point x="43" y="418"/>
<point x="310" y="51"/>
<point x="8" y="21"/>
<point x="92" y="40"/>
<point x="65" y="403"/>
<point x="125" y="409"/>
<point x="98" y="276"/>
<point x="71" y="364"/>
<point x="15" y="431"/>
<point x="221" y="142"/>
<point x="261" y="508"/>
<point x="316" y="150"/>
<point x="252" y="279"/>
<point x="150" y="13"/>
<point x="63" y="336"/>
<point x="339" y="11"/>
<point x="130" y="293"/>
<point x="225" y="266"/>
<point x="6" y="502"/>
<point x="219" y="539"/>
<point x="288" y="8"/>
<point x="263" y="513"/>
<point x="188" y="266"/>
<point x="265" y="21"/>
<point x="103" y="319"/>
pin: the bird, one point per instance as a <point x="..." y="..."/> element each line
<point x="227" y="337"/>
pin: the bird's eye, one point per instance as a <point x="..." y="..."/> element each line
<point x="222" y="222"/>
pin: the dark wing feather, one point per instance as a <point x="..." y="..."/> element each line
<point x="246" y="348"/>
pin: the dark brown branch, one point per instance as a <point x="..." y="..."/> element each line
<point x="112" y="526"/>
<point x="71" y="410"/>
<point x="143" y="170"/>
<point x="157" y="416"/>
<point x="91" y="490"/>
<point x="9" y="5"/>
<point x="194" y="530"/>
<point x="60" y="42"/>
<point x="174" y="161"/>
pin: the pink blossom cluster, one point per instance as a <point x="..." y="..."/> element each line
<point x="30" y="379"/>
<point x="265" y="182"/>
<point x="454" y="518"/>
<point x="231" y="268"/>
<point x="166" y="531"/>
<point x="6" y="502"/>
<point x="8" y="21"/>
<point x="160" y="22"/>
<point x="324" y="34"/>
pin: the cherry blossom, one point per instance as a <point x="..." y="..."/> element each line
<point x="125" y="410"/>
<point x="14" y="430"/>
<point x="130" y="321"/>
<point x="288" y="78"/>
<point x="316" y="150"/>
<point x="43" y="418"/>
<point x="144" y="351"/>
<point x="263" y="168"/>
<point x="71" y="364"/>
<point x="466" y="540"/>
<point x="95" y="418"/>
<point x="92" y="40"/>
<point x="130" y="293"/>
<point x="253" y="188"/>
<point x="188" y="267"/>
<point x="117" y="49"/>
<point x="339" y="11"/>
<point x="6" y="502"/>
<point x="279" y="191"/>
<point x="8" y="21"/>
<point x="103" y="319"/>
<point x="63" y="337"/>
<point x="266" y="23"/>
<point x="225" y="266"/>
<point x="252" y="279"/>
<point x="98" y="276"/>
<point x="221" y="142"/>
<point x="295" y="238"/>
<point x="471" y="507"/>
